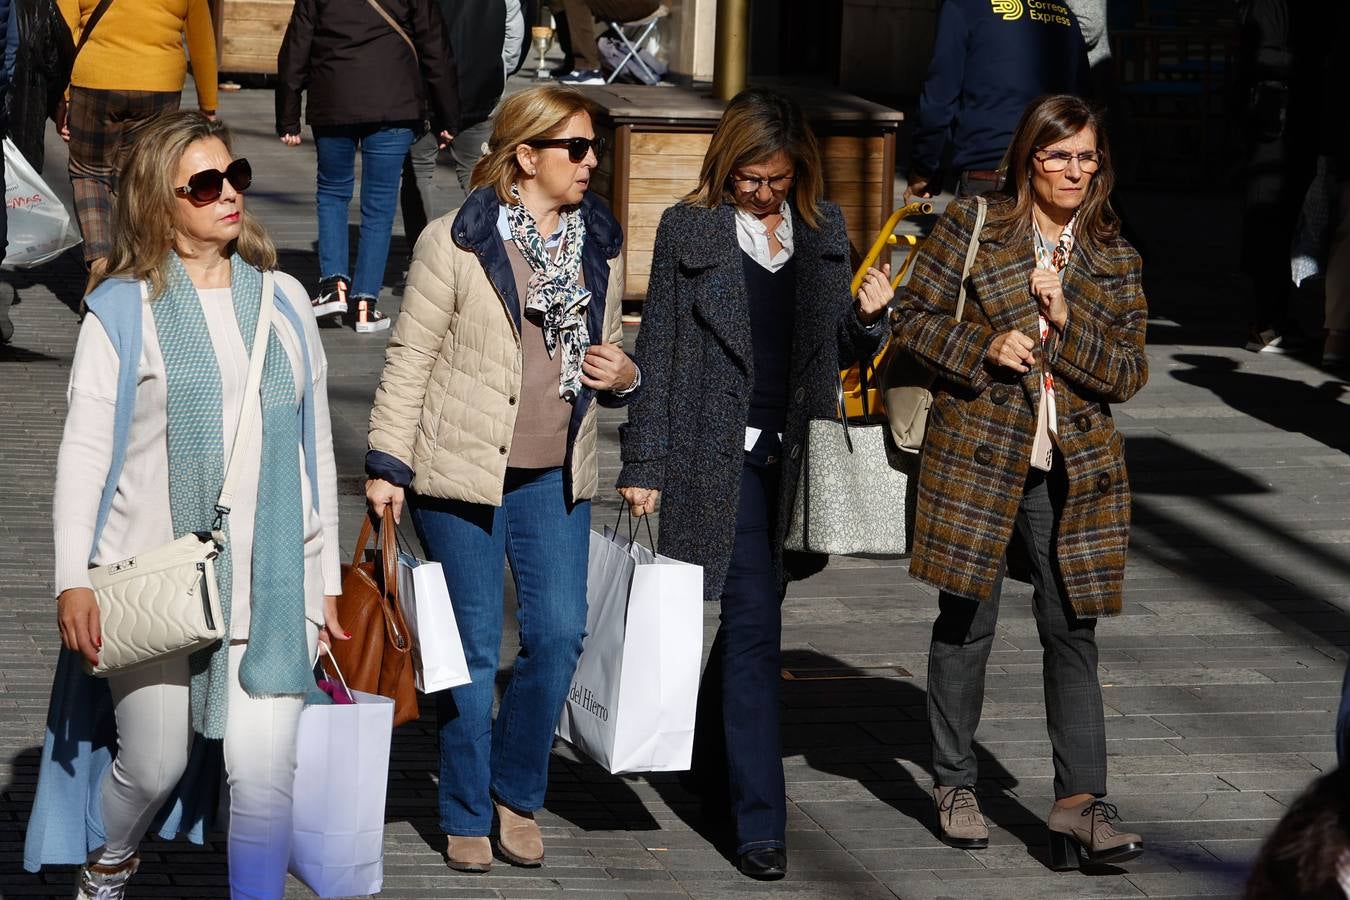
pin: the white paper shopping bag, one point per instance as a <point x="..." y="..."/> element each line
<point x="632" y="703"/>
<point x="38" y="222"/>
<point x="342" y="770"/>
<point x="438" y="656"/>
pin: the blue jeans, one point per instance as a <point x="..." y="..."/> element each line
<point x="547" y="546"/>
<point x="383" y="148"/>
<point x="738" y="758"/>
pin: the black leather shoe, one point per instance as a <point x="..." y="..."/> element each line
<point x="764" y="863"/>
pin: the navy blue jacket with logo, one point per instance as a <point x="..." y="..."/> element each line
<point x="990" y="59"/>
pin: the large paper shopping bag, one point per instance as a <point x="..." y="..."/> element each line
<point x="39" y="223"/>
<point x="438" y="656"/>
<point x="632" y="702"/>
<point x="342" y="769"/>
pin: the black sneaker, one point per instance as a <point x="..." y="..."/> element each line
<point x="584" y="76"/>
<point x="331" y="299"/>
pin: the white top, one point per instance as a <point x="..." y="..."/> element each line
<point x="754" y="240"/>
<point x="140" y="519"/>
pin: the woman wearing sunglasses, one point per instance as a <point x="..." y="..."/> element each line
<point x="747" y="322"/>
<point x="374" y="70"/>
<point x="141" y="463"/>
<point x="485" y="420"/>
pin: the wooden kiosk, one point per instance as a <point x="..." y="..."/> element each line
<point x="249" y="33"/>
<point x="658" y="136"/>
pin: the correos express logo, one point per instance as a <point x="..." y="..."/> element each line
<point x="1010" y="10"/>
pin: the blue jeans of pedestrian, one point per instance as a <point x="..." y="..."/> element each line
<point x="383" y="148"/>
<point x="546" y="545"/>
<point x="738" y="748"/>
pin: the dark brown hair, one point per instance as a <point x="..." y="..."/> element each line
<point x="1047" y="120"/>
<point x="757" y="124"/>
<point x="1299" y="859"/>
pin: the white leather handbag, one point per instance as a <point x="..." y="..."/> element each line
<point x="165" y="602"/>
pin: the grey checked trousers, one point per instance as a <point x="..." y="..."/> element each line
<point x="964" y="634"/>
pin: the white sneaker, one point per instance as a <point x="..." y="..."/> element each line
<point x="97" y="882"/>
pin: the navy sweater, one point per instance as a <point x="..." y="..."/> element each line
<point x="990" y="59"/>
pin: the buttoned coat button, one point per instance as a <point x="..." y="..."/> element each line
<point x="1000" y="394"/>
<point x="1083" y="422"/>
<point x="984" y="455"/>
<point x="799" y="395"/>
<point x="1104" y="482"/>
<point x="501" y="450"/>
<point x="511" y="401"/>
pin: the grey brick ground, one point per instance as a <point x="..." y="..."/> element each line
<point x="1220" y="681"/>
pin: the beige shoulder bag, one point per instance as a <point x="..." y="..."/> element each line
<point x="164" y="603"/>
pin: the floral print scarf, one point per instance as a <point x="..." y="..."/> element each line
<point x="1055" y="259"/>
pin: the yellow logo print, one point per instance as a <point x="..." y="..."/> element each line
<point x="1010" y="10"/>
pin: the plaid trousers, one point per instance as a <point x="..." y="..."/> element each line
<point x="103" y="125"/>
<point x="963" y="635"/>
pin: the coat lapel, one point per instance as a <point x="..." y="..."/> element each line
<point x="1000" y="279"/>
<point x="817" y="306"/>
<point x="714" y="256"/>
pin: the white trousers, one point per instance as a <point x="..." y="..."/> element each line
<point x="154" y="735"/>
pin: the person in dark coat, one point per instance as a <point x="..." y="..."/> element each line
<point x="41" y="73"/>
<point x="1021" y="448"/>
<point x="747" y="322"/>
<point x="990" y="59"/>
<point x="373" y="72"/>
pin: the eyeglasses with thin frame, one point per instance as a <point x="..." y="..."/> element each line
<point x="1058" y="160"/>
<point x="778" y="183"/>
<point x="576" y="146"/>
<point x="206" y="185"/>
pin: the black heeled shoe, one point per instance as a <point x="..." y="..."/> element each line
<point x="763" y="863"/>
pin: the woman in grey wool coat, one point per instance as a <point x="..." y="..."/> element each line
<point x="747" y="322"/>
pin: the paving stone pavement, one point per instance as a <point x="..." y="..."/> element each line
<point x="1220" y="680"/>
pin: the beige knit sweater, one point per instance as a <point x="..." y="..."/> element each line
<point x="140" y="517"/>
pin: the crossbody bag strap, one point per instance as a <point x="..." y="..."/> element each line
<point x="251" y="413"/>
<point x="384" y="14"/>
<point x="981" y="208"/>
<point x="89" y="26"/>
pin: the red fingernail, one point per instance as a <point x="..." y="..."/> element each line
<point x="347" y="633"/>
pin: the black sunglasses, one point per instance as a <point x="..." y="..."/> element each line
<point x="205" y="186"/>
<point x="576" y="146"/>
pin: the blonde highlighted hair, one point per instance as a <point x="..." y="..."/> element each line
<point x="757" y="124"/>
<point x="143" y="211"/>
<point x="531" y="115"/>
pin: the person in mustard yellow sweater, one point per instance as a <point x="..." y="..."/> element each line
<point x="129" y="69"/>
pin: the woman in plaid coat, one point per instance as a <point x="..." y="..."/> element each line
<point x="1021" y="450"/>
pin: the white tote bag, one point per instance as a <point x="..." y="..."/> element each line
<point x="438" y="656"/>
<point x="39" y="224"/>
<point x="632" y="703"/>
<point x="342" y="770"/>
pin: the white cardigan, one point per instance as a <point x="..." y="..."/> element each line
<point x="140" y="517"/>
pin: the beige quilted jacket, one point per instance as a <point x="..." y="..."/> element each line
<point x="446" y="403"/>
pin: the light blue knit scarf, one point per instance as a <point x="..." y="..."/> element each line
<point x="276" y="661"/>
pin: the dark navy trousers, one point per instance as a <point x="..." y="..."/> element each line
<point x="737" y="748"/>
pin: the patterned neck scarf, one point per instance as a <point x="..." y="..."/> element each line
<point x="1047" y="430"/>
<point x="554" y="291"/>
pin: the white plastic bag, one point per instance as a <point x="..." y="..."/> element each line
<point x="438" y="655"/>
<point x="633" y="698"/>
<point x="341" y="773"/>
<point x="39" y="224"/>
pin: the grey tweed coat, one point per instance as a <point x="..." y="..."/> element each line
<point x="685" y="433"/>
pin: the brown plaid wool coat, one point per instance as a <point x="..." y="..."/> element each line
<point x="977" y="450"/>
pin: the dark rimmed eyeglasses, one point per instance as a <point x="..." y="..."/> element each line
<point x="777" y="183"/>
<point x="206" y="185"/>
<point x="1058" y="160"/>
<point x="576" y="146"/>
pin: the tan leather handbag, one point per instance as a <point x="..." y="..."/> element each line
<point x="908" y="383"/>
<point x="378" y="657"/>
<point x="163" y="603"/>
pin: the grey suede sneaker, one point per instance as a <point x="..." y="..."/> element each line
<point x="960" y="822"/>
<point x="97" y="882"/>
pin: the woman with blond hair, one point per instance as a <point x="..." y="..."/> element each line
<point x="1022" y="463"/>
<point x="747" y="322"/>
<point x="157" y="391"/>
<point x="485" y="421"/>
